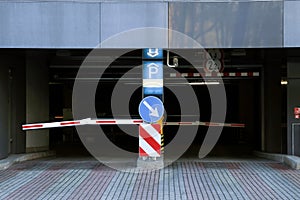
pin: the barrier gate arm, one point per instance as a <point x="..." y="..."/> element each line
<point x="89" y="121"/>
<point x="198" y="123"/>
<point x="26" y="127"/>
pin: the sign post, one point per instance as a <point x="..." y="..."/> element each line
<point x="151" y="108"/>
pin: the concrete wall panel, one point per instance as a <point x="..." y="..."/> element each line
<point x="17" y="103"/>
<point x="49" y="25"/>
<point x="4" y="131"/>
<point x="229" y="24"/>
<point x="291" y="23"/>
<point x="119" y="17"/>
<point x="215" y="24"/>
<point x="37" y="101"/>
<point x="293" y="100"/>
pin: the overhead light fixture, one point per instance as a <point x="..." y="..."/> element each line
<point x="194" y="83"/>
<point x="205" y="83"/>
<point x="58" y="117"/>
<point x="284" y="82"/>
<point x="238" y="52"/>
<point x="182" y="84"/>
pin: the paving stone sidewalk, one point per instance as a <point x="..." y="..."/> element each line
<point x="188" y="179"/>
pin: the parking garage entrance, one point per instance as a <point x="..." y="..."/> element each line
<point x="241" y="77"/>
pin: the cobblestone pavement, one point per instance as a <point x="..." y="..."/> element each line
<point x="187" y="179"/>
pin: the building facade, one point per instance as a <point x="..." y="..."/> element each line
<point x="33" y="32"/>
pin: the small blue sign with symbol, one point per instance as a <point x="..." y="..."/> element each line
<point x="153" y="90"/>
<point x="152" y="70"/>
<point x="151" y="109"/>
<point x="153" y="53"/>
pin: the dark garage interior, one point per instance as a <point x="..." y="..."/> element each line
<point x="243" y="100"/>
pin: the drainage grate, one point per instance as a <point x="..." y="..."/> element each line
<point x="219" y="165"/>
<point x="278" y="166"/>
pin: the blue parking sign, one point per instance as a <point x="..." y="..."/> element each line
<point x="153" y="53"/>
<point x="151" y="109"/>
<point x="152" y="70"/>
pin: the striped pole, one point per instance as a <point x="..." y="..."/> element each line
<point x="161" y="123"/>
<point x="149" y="140"/>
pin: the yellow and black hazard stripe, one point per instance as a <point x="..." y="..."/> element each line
<point x="162" y="144"/>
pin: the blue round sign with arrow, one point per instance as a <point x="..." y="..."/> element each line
<point x="151" y="109"/>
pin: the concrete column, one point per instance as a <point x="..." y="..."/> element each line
<point x="13" y="70"/>
<point x="4" y="131"/>
<point x="271" y="105"/>
<point x="17" y="103"/>
<point x="248" y="107"/>
<point x="37" y="100"/>
<point x="293" y="100"/>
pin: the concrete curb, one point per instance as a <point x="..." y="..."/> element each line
<point x="15" y="158"/>
<point x="292" y="161"/>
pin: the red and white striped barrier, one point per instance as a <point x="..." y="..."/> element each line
<point x="216" y="74"/>
<point x="89" y="121"/>
<point x="197" y="123"/>
<point x="149" y="140"/>
<point x="114" y="121"/>
<point x="52" y="125"/>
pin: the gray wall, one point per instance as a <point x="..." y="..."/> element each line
<point x="271" y="104"/>
<point x="24" y="99"/>
<point x="49" y="25"/>
<point x="291" y="23"/>
<point x="17" y="102"/>
<point x="81" y="24"/>
<point x="4" y="131"/>
<point x="293" y="100"/>
<point x="37" y="100"/>
<point x="12" y="102"/>
<point x="229" y="24"/>
<point x="120" y="17"/>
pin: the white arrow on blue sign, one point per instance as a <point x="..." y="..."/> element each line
<point x="152" y="53"/>
<point x="151" y="109"/>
